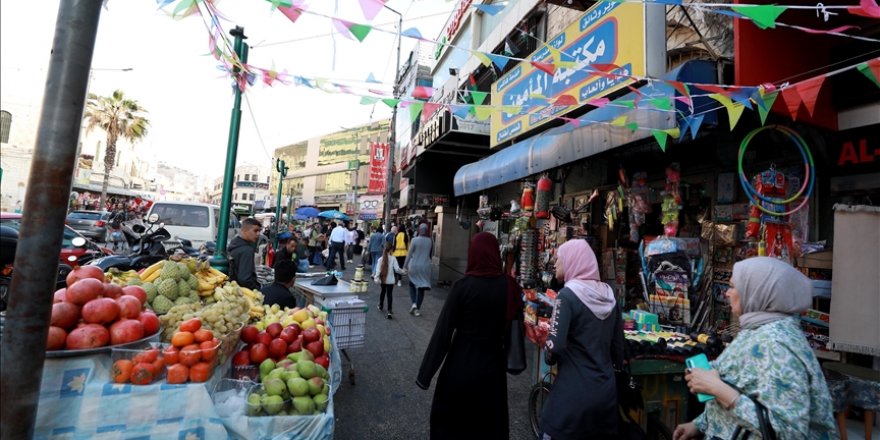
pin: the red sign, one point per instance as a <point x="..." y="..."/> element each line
<point x="378" y="168"/>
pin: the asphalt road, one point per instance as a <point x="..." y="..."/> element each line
<point x="385" y="403"/>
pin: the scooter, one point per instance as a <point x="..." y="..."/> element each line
<point x="145" y="244"/>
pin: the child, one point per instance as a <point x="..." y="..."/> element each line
<point x="387" y="268"/>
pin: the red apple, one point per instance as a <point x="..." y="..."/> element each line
<point x="249" y="334"/>
<point x="241" y="358"/>
<point x="323" y="361"/>
<point x="258" y="353"/>
<point x="264" y="338"/>
<point x="274" y="329"/>
<point x="289" y="334"/>
<point x="277" y="348"/>
<point x="316" y="348"/>
<point x="311" y="335"/>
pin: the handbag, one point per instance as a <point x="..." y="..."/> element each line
<point x="516" y="346"/>
<point x="629" y="391"/>
<point x="767" y="432"/>
<point x="329" y="280"/>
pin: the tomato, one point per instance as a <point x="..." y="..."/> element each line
<point x="182" y="339"/>
<point x="142" y="374"/>
<point x="191" y="325"/>
<point x="121" y="372"/>
<point x="203" y="335"/>
<point x="200" y="372"/>
<point x="190" y="355"/>
<point x="178" y="373"/>
<point x="147" y="356"/>
<point x="209" y="349"/>
<point x="171" y="355"/>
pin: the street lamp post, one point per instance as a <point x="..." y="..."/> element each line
<point x="219" y="260"/>
<point x="282" y="173"/>
<point x="388" y="171"/>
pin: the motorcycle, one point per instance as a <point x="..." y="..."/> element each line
<point x="145" y="245"/>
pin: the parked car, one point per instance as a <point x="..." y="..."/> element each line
<point x="92" y="224"/>
<point x="81" y="254"/>
<point x="196" y="222"/>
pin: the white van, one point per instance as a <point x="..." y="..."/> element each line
<point x="196" y="222"/>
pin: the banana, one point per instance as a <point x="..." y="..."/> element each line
<point x="216" y="272"/>
<point x="152" y="277"/>
<point x="152" y="269"/>
<point x="248" y="293"/>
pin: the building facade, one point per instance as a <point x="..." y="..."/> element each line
<point x="250" y="189"/>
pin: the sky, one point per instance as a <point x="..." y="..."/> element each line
<point x="190" y="100"/>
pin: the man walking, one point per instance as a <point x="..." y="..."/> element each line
<point x="338" y="237"/>
<point x="241" y="254"/>
<point x="377" y="244"/>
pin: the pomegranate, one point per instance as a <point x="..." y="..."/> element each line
<point x="56" y="339"/>
<point x="84" y="272"/>
<point x="137" y="292"/>
<point x="126" y="330"/>
<point x="65" y="315"/>
<point x="84" y="291"/>
<point x="60" y="295"/>
<point x="100" y="311"/>
<point x="150" y="322"/>
<point x="112" y="290"/>
<point x="129" y="306"/>
<point x="88" y="336"/>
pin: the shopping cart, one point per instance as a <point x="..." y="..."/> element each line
<point x="348" y="321"/>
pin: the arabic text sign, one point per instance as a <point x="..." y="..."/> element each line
<point x="378" y="168"/>
<point x="608" y="33"/>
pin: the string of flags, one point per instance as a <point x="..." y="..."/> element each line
<point x="735" y="99"/>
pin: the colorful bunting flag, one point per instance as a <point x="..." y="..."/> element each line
<point x="352" y="30"/>
<point x="372" y="79"/>
<point x="280" y="3"/>
<point x="478" y="97"/>
<point x="661" y="103"/>
<point x="512" y="110"/>
<point x="429" y="109"/>
<point x="292" y="13"/>
<point x="573" y="121"/>
<point x="415" y="108"/>
<point x="482" y="112"/>
<point x="765" y="104"/>
<point x="632" y="126"/>
<point x="545" y="67"/>
<point x="489" y="9"/>
<point x="371" y="8"/>
<point x="414" y="33"/>
<point x="734" y="111"/>
<point x="809" y="92"/>
<point x="423" y="92"/>
<point x="484" y="59"/>
<point x="599" y="102"/>
<point x="619" y="121"/>
<point x="368" y="100"/>
<point x="764" y="16"/>
<point x="460" y="110"/>
<point x="867" y="71"/>
<point x="499" y="60"/>
<point x="792" y="100"/>
<point x="694" y="123"/>
<point x="867" y="8"/>
<point x="391" y="102"/>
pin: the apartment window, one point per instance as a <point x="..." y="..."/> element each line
<point x="5" y="125"/>
<point x="254" y="178"/>
<point x="252" y="196"/>
<point x="235" y="196"/>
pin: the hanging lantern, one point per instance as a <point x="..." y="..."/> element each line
<point x="542" y="200"/>
<point x="528" y="199"/>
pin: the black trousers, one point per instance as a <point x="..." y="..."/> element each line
<point x="386" y="288"/>
<point x="336" y="248"/>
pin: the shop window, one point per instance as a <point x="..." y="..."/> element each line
<point x="5" y="125"/>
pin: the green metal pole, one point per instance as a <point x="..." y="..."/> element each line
<point x="282" y="173"/>
<point x="289" y="204"/>
<point x="219" y="260"/>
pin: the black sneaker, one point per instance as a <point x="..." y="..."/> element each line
<point x="389" y="315"/>
<point x="380" y="307"/>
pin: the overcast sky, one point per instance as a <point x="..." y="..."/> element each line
<point x="189" y="99"/>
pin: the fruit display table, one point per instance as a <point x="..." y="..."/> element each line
<point x="305" y="290"/>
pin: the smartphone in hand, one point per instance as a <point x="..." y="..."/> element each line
<point x="702" y="362"/>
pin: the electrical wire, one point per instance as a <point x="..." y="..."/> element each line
<point x="247" y="102"/>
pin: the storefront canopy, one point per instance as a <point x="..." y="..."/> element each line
<point x="566" y="144"/>
<point x="110" y="189"/>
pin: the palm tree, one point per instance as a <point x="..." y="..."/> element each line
<point x="117" y="116"/>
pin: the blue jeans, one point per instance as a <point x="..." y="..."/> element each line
<point x="303" y="266"/>
<point x="416" y="294"/>
<point x="374" y="263"/>
<point x="336" y="248"/>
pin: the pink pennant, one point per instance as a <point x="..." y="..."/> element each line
<point x="423" y="92"/>
<point x="343" y="27"/>
<point x="792" y="100"/>
<point x="429" y="109"/>
<point x="678" y="85"/>
<point x="867" y="8"/>
<point x="599" y="102"/>
<point x="685" y="99"/>
<point x="809" y="92"/>
<point x="371" y="8"/>
<point x="544" y="67"/>
<point x="377" y="92"/>
<point x="293" y="12"/>
<point x="874" y="65"/>
<point x="827" y="31"/>
<point x="573" y="121"/>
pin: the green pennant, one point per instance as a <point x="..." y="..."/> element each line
<point x="766" y="105"/>
<point x="391" y="102"/>
<point x="479" y="97"/>
<point x="661" y="103"/>
<point x="764" y="16"/>
<point x="661" y="138"/>
<point x="360" y="31"/>
<point x="866" y="70"/>
<point x="183" y="7"/>
<point x="630" y="103"/>
<point x="415" y="109"/>
<point x="368" y="100"/>
<point x="632" y="126"/>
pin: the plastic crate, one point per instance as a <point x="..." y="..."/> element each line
<point x="349" y="324"/>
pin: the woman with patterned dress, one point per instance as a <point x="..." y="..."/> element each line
<point x="769" y="361"/>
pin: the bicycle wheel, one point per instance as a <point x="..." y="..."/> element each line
<point x="537" y="395"/>
<point x="658" y="430"/>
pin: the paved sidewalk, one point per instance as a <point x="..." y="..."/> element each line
<point x="385" y="402"/>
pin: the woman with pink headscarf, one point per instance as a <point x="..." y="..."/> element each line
<point x="586" y="341"/>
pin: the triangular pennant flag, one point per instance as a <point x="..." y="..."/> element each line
<point x="764" y="16"/>
<point x="430" y="108"/>
<point x="743" y="96"/>
<point x="565" y="100"/>
<point x="686" y="100"/>
<point x="423" y="92"/>
<point x="662" y="103"/>
<point x="499" y="60"/>
<point x="660" y="136"/>
<point x="490" y="9"/>
<point x="371" y="8"/>
<point x="342" y="27"/>
<point x="714" y="88"/>
<point x="377" y="92"/>
<point x="482" y="112"/>
<point x="619" y="121"/>
<point x="866" y="70"/>
<point x="629" y="103"/>
<point x="303" y="81"/>
<point x="413" y="33"/>
<point x="694" y="123"/>
<point x="460" y="110"/>
<point x="792" y="100"/>
<point x="681" y="87"/>
<point x="599" y="102"/>
<point x="372" y="79"/>
<point x="809" y="91"/>
<point x="573" y="121"/>
<point x="479" y="97"/>
<point x="683" y="126"/>
<point x="415" y="108"/>
<point x="632" y="126"/>
<point x="184" y="8"/>
<point x="485" y="60"/>
<point x="674" y="131"/>
<point x="544" y="67"/>
<point x="866" y="8"/>
<point x="765" y="104"/>
<point x="280" y="3"/>
<point x="734" y="111"/>
<point x="368" y="100"/>
<point x="512" y="110"/>
<point x="360" y="31"/>
<point x="391" y="102"/>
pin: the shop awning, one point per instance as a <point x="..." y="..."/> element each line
<point x="110" y="189"/>
<point x="565" y="144"/>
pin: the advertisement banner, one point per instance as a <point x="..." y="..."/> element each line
<point x="378" y="168"/>
<point x="597" y="37"/>
<point x="370" y="207"/>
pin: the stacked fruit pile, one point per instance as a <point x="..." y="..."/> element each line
<point x="294" y="386"/>
<point x="227" y="312"/>
<point x="91" y="313"/>
<point x="145" y="367"/>
<point x="192" y="354"/>
<point x="290" y="331"/>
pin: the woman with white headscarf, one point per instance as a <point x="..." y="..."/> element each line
<point x="586" y="341"/>
<point x="769" y="361"/>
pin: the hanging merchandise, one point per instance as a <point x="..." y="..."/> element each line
<point x="528" y="268"/>
<point x="612" y="210"/>
<point x="515" y="209"/>
<point x="528" y="198"/>
<point x="671" y="200"/>
<point x="484" y="209"/>
<point x="542" y="199"/>
<point x="637" y="199"/>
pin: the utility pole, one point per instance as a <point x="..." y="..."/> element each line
<point x="390" y="158"/>
<point x="23" y="350"/>
<point x="282" y="173"/>
<point x="219" y="260"/>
